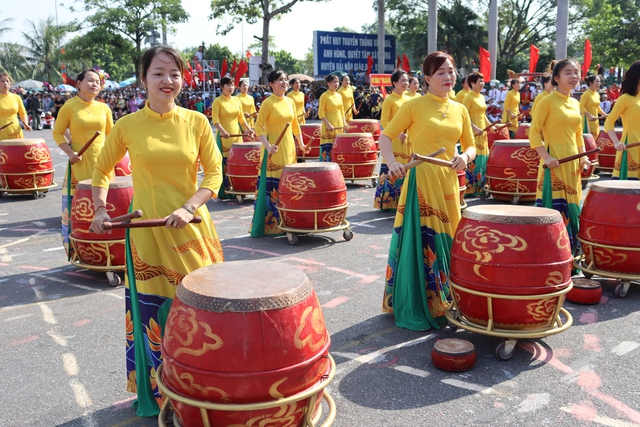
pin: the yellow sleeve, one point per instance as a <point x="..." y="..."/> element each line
<point x="400" y="122"/>
<point x="535" y="131"/>
<point x="614" y="115"/>
<point x="109" y="125"/>
<point x="22" y="112"/>
<point x="385" y="116"/>
<point x="583" y="103"/>
<point x="467" y="139"/>
<point x="241" y="119"/>
<point x="62" y="123"/>
<point x="113" y="151"/>
<point x="261" y="121"/>
<point x="467" y="101"/>
<point x="215" y="111"/>
<point x="322" y="105"/>
<point x="295" y="126"/>
<point x="210" y="159"/>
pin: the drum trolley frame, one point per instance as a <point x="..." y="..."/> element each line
<point x="515" y="197"/>
<point x="309" y="393"/>
<point x="352" y="167"/>
<point x="292" y="233"/>
<point x="505" y="350"/>
<point x="109" y="269"/>
<point x="37" y="191"/>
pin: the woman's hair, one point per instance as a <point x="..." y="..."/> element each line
<point x="4" y="73"/>
<point x="590" y="79"/>
<point x="474" y="77"/>
<point x="275" y="75"/>
<point x="152" y="52"/>
<point x="330" y="78"/>
<point x="243" y="82"/>
<point x="342" y="78"/>
<point x="83" y="74"/>
<point x="412" y="78"/>
<point x="559" y="66"/>
<point x="294" y="81"/>
<point x="545" y="78"/>
<point x="630" y="80"/>
<point x="465" y="79"/>
<point x="226" y="80"/>
<point x="434" y="61"/>
<point x="512" y="82"/>
<point x="395" y="76"/>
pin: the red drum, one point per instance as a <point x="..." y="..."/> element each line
<point x="607" y="156"/>
<point x="123" y="168"/>
<point x="453" y="354"/>
<point x="356" y="154"/>
<point x="371" y="126"/>
<point x="523" y="131"/>
<point x="311" y="134"/>
<point x="234" y="336"/>
<point x="312" y="196"/>
<point x="462" y="183"/>
<point x="501" y="134"/>
<point x="100" y="250"/>
<point x="25" y="164"/>
<point x="609" y="227"/>
<point x="590" y="144"/>
<point x="509" y="252"/>
<point x="243" y="166"/>
<point x="512" y="170"/>
<point x="585" y="291"/>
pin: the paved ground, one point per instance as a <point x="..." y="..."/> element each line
<point x="62" y="339"/>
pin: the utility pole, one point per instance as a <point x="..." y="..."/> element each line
<point x="493" y="38"/>
<point x="381" y="37"/>
<point x="432" y="32"/>
<point x="562" y="24"/>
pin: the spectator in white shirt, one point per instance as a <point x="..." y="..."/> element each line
<point x="502" y="95"/>
<point x="494" y="93"/>
<point x="605" y="104"/>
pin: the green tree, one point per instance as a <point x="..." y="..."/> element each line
<point x="12" y="60"/>
<point x="460" y="34"/>
<point x="344" y="30"/>
<point x="134" y="19"/>
<point x="218" y="53"/>
<point x="4" y="25"/>
<point x="257" y="45"/>
<point x="252" y="11"/>
<point x="42" y="50"/>
<point x="306" y="64"/>
<point x="286" y="62"/>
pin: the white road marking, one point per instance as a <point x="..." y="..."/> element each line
<point x="22" y="316"/>
<point x="468" y="386"/>
<point x="82" y="396"/>
<point x="53" y="279"/>
<point x="59" y="339"/>
<point x="362" y="224"/>
<point x="624" y="347"/>
<point x="114" y="295"/>
<point x="39" y="223"/>
<point x="605" y="421"/>
<point x="412" y="371"/>
<point x="70" y="364"/>
<point x="53" y="249"/>
<point x="534" y="402"/>
<point x="39" y="294"/>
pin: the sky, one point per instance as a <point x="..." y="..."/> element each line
<point x="293" y="33"/>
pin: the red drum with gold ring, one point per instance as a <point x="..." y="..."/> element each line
<point x="371" y="126"/>
<point x="25" y="166"/>
<point x="311" y="133"/>
<point x="523" y="131"/>
<point x="243" y="166"/>
<point x="356" y="154"/>
<point x="607" y="156"/>
<point x="123" y="167"/>
<point x="453" y="354"/>
<point x="500" y="134"/>
<point x="512" y="170"/>
<point x="585" y="291"/>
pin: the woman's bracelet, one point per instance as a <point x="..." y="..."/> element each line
<point x="188" y="209"/>
<point x="103" y="207"/>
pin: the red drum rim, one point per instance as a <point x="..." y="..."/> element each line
<point x="116" y="182"/>
<point x="617" y="187"/>
<point x="312" y="167"/>
<point x="22" y="141"/>
<point x="512" y="142"/>
<point x="246" y="144"/>
<point x="513" y="214"/>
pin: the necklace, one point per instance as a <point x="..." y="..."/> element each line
<point x="444" y="115"/>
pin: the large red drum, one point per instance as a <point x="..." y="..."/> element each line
<point x="523" y="131"/>
<point x="512" y="170"/>
<point x="609" y="227"/>
<point x="311" y="134"/>
<point x="607" y="156"/>
<point x="243" y="166"/>
<point x="25" y="164"/>
<point x="590" y="144"/>
<point x="356" y="154"/>
<point x="234" y="336"/>
<point x="500" y="135"/>
<point x="99" y="250"/>
<point x="506" y="253"/>
<point x="371" y="126"/>
<point x="312" y="196"/>
<point x="123" y="167"/>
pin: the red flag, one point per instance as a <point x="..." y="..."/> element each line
<point x="398" y="62"/>
<point x="534" y="55"/>
<point x="242" y="68"/>
<point x="225" y="67"/>
<point x="405" y="63"/>
<point x="587" y="58"/>
<point x="369" y="64"/>
<point x="485" y="63"/>
<point x="234" y="66"/>
<point x="187" y="75"/>
<point x="248" y="54"/>
<point x="383" y="90"/>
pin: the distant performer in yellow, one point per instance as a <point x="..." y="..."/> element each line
<point x="348" y="102"/>
<point x="11" y="107"/>
<point x="298" y="99"/>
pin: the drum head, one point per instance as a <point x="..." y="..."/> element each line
<point x="116" y="182"/>
<point x="512" y="214"/>
<point x="22" y="141"/>
<point x="312" y="167"/>
<point x="617" y="187"/>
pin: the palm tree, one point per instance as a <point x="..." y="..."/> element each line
<point x="43" y="48"/>
<point x="4" y="25"/>
<point x="459" y="33"/>
<point x="12" y="60"/>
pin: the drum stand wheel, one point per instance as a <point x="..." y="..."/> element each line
<point x="485" y="194"/>
<point x="622" y="289"/>
<point x="504" y="350"/>
<point x="113" y="278"/>
<point x="292" y="238"/>
<point x="514" y="200"/>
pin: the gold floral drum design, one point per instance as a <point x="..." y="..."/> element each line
<point x="510" y="251"/>
<point x="235" y="335"/>
<point x="99" y="250"/>
<point x="123" y="167"/>
<point x="243" y="166"/>
<point x="311" y="134"/>
<point x="371" y="126"/>
<point x="312" y="196"/>
<point x="25" y="164"/>
<point x="512" y="170"/>
<point x="356" y="154"/>
<point x="501" y="135"/>
<point x="609" y="227"/>
<point x="607" y="156"/>
<point x="590" y="144"/>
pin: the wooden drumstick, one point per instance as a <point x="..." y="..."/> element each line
<point x="6" y="126"/>
<point x="234" y="135"/>
<point x="432" y="160"/>
<point x="633" y="144"/>
<point x="88" y="144"/>
<point x="350" y="108"/>
<point x="412" y="164"/>
<point x="282" y="134"/>
<point x="575" y="156"/>
<point x="144" y="223"/>
<point x="489" y="127"/>
<point x="127" y="217"/>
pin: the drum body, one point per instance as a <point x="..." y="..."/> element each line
<point x="311" y="134"/>
<point x="243" y="166"/>
<point x="501" y="135"/>
<point x="25" y="164"/>
<point x="234" y="335"/>
<point x="123" y="167"/>
<point x="512" y="170"/>
<point x="106" y="249"/>
<point x="607" y="156"/>
<point x="523" y="131"/>
<point x="312" y="196"/>
<point x="356" y="154"/>
<point x="609" y="227"/>
<point x="590" y="144"/>
<point x="503" y="253"/>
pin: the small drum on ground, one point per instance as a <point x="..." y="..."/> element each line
<point x="512" y="171"/>
<point x="311" y="135"/>
<point x="454" y="355"/>
<point x="243" y="167"/>
<point x="25" y="166"/>
<point x="607" y="157"/>
<point x="523" y="131"/>
<point x="283" y="349"/>
<point x="356" y="155"/>
<point x="501" y="135"/>
<point x="585" y="291"/>
<point x="123" y="167"/>
<point x="102" y="252"/>
<point x="590" y="144"/>
<point x="510" y="271"/>
<point x="371" y="126"/>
